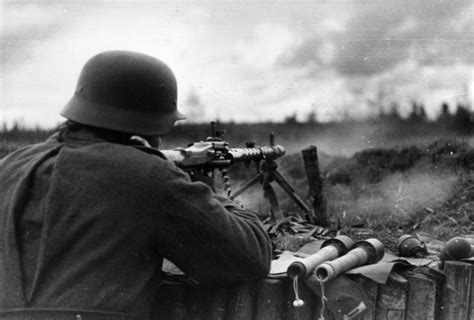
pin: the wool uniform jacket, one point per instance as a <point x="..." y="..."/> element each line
<point x="85" y="224"/>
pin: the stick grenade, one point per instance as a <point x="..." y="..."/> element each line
<point x="364" y="252"/>
<point x="330" y="250"/>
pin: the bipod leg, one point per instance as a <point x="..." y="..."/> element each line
<point x="269" y="193"/>
<point x="290" y="191"/>
<point x="247" y="184"/>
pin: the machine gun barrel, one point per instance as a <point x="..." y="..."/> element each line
<point x="215" y="155"/>
<point x="256" y="153"/>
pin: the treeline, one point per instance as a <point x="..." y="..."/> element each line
<point x="18" y="132"/>
<point x="460" y="121"/>
<point x="386" y="126"/>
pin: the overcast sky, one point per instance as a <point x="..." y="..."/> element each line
<point x="246" y="60"/>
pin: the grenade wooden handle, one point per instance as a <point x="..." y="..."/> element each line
<point x="364" y="252"/>
<point x="330" y="249"/>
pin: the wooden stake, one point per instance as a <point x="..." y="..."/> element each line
<point x="471" y="298"/>
<point x="170" y="301"/>
<point x="370" y="288"/>
<point x="269" y="305"/>
<point x="456" y="293"/>
<point x="391" y="299"/>
<point x="421" y="302"/>
<point x="217" y="304"/>
<point x="315" y="181"/>
<point x="241" y="302"/>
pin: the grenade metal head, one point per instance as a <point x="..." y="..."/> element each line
<point x="456" y="248"/>
<point x="343" y="243"/>
<point x="374" y="247"/>
<point x="410" y="246"/>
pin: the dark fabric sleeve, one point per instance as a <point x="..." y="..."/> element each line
<point x="209" y="238"/>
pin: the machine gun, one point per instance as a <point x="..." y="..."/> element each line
<point x="215" y="153"/>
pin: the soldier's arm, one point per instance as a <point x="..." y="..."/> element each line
<point x="210" y="239"/>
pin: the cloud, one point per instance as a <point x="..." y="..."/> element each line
<point x="39" y="76"/>
<point x="379" y="35"/>
<point x="263" y="48"/>
<point x="25" y="26"/>
<point x="255" y="61"/>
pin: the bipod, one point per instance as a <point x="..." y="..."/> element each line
<point x="266" y="174"/>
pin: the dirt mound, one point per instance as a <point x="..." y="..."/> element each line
<point x="373" y="165"/>
<point x="386" y="193"/>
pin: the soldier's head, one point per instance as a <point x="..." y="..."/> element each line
<point x="127" y="92"/>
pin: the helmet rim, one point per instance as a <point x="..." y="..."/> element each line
<point x="85" y="111"/>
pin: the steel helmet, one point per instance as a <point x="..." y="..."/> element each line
<point x="125" y="91"/>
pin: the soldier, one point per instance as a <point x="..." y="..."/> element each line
<point x="87" y="216"/>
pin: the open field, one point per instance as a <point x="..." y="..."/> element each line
<point x="382" y="179"/>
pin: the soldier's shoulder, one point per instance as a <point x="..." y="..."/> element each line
<point x="28" y="151"/>
<point x="144" y="157"/>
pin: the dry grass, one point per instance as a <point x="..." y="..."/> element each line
<point x="380" y="194"/>
<point x="290" y="242"/>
